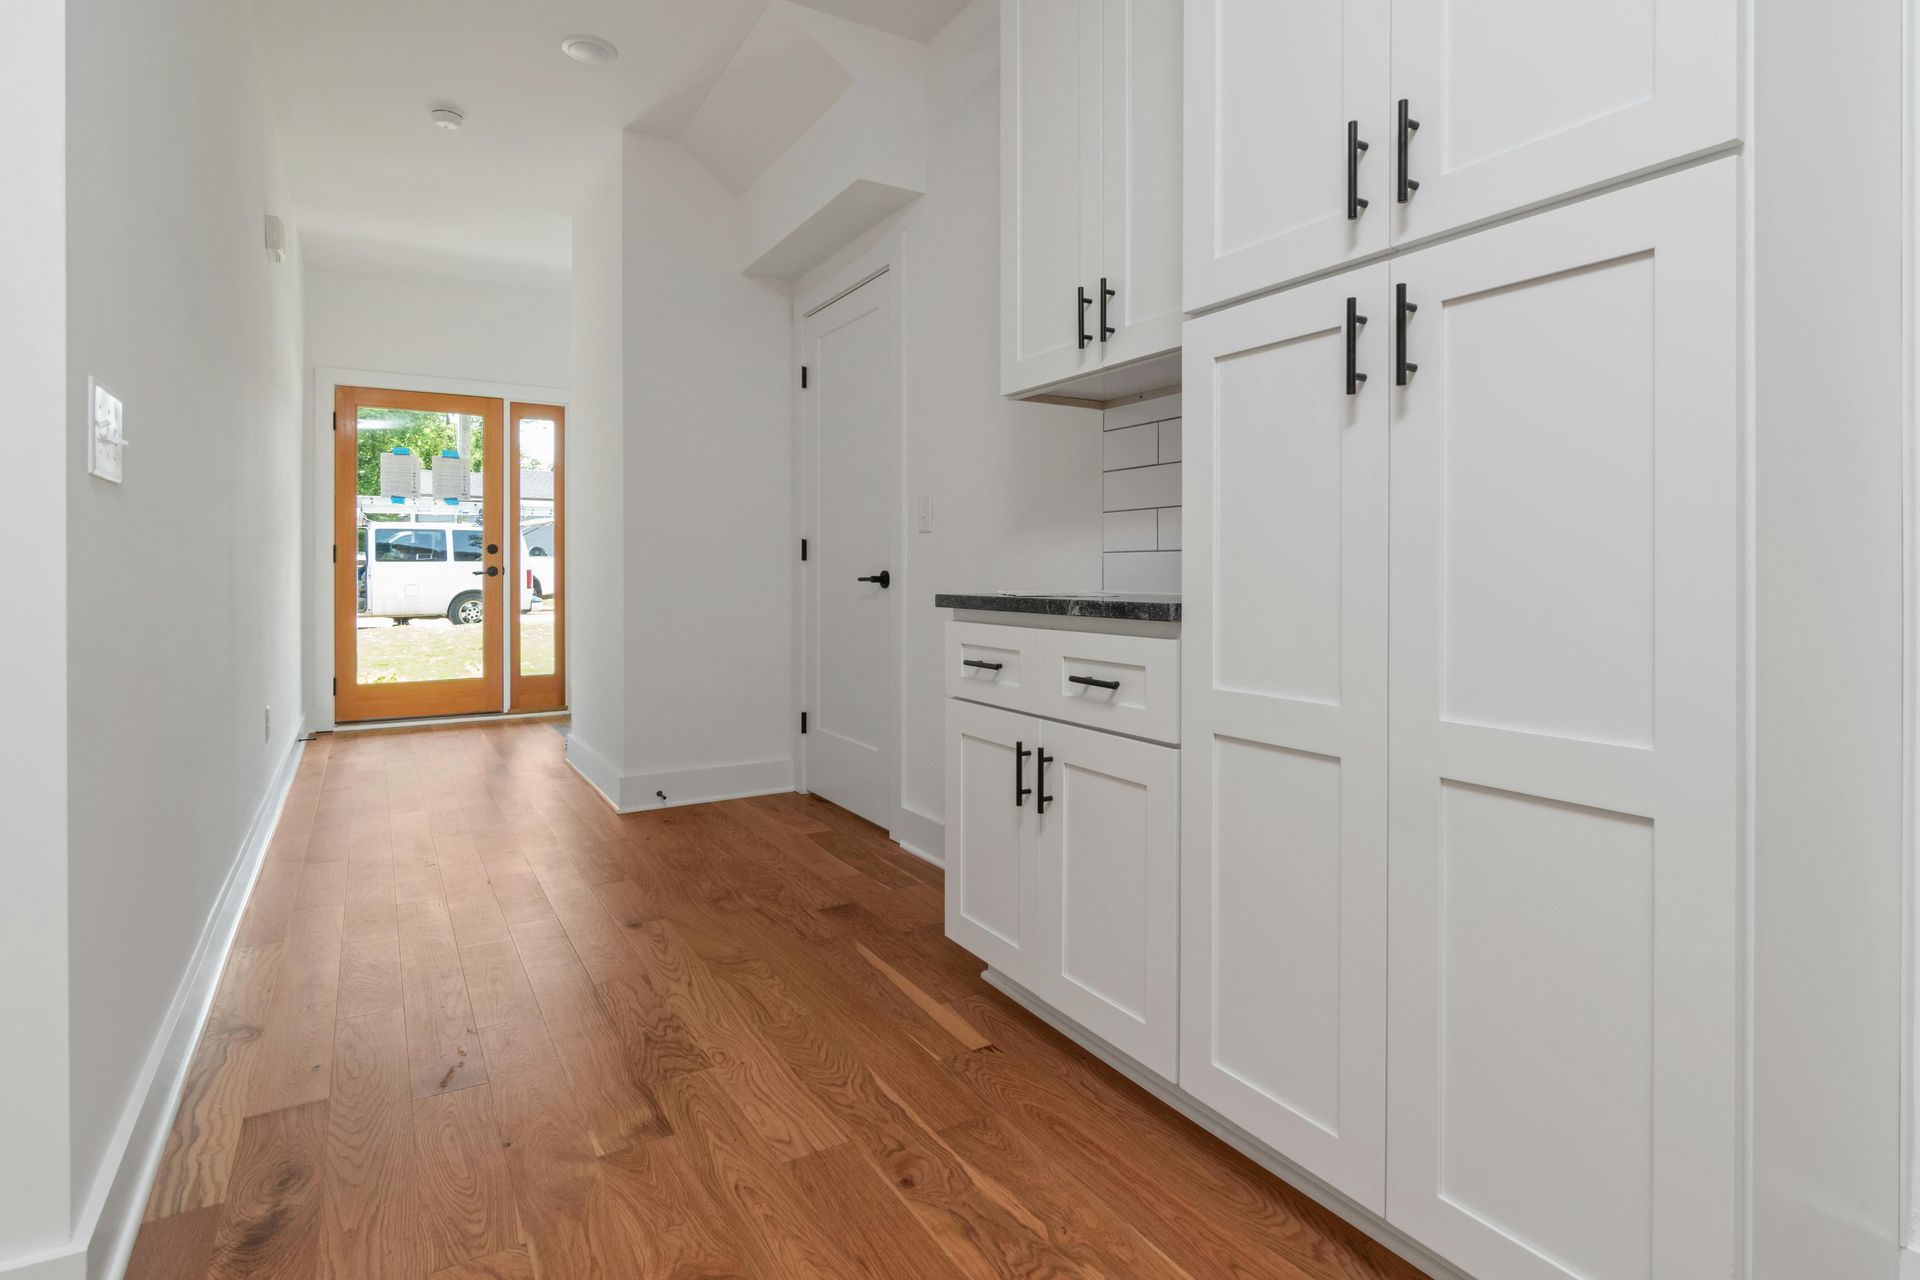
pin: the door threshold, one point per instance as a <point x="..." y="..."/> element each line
<point x="427" y="722"/>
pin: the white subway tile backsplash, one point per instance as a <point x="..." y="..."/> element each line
<point x="1130" y="531"/>
<point x="1170" y="441"/>
<point x="1132" y="447"/>
<point x="1157" y="572"/>
<point x="1168" y="532"/>
<point x="1143" y="487"/>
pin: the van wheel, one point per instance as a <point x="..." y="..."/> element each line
<point x="465" y="608"/>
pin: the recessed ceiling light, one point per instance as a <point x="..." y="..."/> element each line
<point x="447" y="118"/>
<point x="589" y="49"/>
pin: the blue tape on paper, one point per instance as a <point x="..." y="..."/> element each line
<point x="397" y="500"/>
<point x="402" y="450"/>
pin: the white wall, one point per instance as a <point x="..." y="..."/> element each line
<point x="596" y="501"/>
<point x="701" y="703"/>
<point x="1016" y="487"/>
<point x="183" y="582"/>
<point x="429" y="326"/>
<point x="35" y="1185"/>
<point x="1829" y="361"/>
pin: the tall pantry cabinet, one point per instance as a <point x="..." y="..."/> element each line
<point x="1460" y="782"/>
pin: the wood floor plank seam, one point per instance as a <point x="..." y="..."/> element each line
<point x="490" y="1030"/>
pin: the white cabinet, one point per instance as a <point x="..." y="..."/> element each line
<point x="1063" y="865"/>
<point x="1564" y="567"/>
<point x="1458" y="870"/>
<point x="1284" y="895"/>
<point x="1090" y="194"/>
<point x="1508" y="104"/>
<point x="1288" y="156"/>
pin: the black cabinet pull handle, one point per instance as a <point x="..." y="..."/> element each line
<point x="1354" y="321"/>
<point x="1042" y="800"/>
<point x="1080" y="319"/>
<point x="884" y="578"/>
<point x="1092" y="683"/>
<point x="984" y="666"/>
<point x="1408" y="127"/>
<point x="1106" y="330"/>
<point x="1354" y="148"/>
<point x="1020" y="788"/>
<point x="1402" y="311"/>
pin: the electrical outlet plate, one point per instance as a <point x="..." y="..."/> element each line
<point x="106" y="432"/>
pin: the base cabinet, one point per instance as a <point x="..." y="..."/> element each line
<point x="1460" y="710"/>
<point x="1063" y="848"/>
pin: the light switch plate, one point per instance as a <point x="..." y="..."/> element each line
<point x="106" y="432"/>
<point x="923" y="512"/>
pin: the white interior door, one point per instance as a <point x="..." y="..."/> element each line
<point x="1109" y="889"/>
<point x="1050" y="105"/>
<point x="1520" y="101"/>
<point x="1562" y="979"/>
<point x="851" y="482"/>
<point x="1283" y="1018"/>
<point x="1140" y="170"/>
<point x="992" y="877"/>
<point x="1271" y="92"/>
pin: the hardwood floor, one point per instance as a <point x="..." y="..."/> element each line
<point x="478" y="1025"/>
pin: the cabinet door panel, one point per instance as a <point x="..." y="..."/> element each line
<point x="991" y="880"/>
<point x="1109" y="889"/>
<point x="1284" y="789"/>
<point x="1140" y="144"/>
<point x="1503" y="127"/>
<point x="1050" y="121"/>
<point x="1269" y="91"/>
<point x="1563" y="804"/>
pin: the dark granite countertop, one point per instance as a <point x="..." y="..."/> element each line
<point x="1135" y="608"/>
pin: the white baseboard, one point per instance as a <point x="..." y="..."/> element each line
<point x="921" y="835"/>
<point x="111" y="1217"/>
<point x="1910" y="1263"/>
<point x="1228" y="1132"/>
<point x="638" y="792"/>
<point x="68" y="1262"/>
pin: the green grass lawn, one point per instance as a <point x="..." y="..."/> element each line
<point x="435" y="649"/>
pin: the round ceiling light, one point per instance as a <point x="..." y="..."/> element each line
<point x="589" y="49"/>
<point x="447" y="118"/>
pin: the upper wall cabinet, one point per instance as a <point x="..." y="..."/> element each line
<point x="1090" y="103"/>
<point x="1324" y="131"/>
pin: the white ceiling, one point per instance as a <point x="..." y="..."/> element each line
<point x="352" y="82"/>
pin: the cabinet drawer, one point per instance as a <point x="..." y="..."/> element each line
<point x="997" y="665"/>
<point x="1123" y="684"/>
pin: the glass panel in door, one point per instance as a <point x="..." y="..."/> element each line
<point x="539" y="631"/>
<point x="416" y="630"/>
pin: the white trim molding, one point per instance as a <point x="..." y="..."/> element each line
<point x="111" y="1217"/>
<point x="640" y="792"/>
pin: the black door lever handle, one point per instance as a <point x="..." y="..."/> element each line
<point x="884" y="578"/>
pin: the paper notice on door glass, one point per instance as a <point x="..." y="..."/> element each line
<point x="399" y="475"/>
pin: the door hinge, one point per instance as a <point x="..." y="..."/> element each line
<point x="803" y="548"/>
<point x="803" y="722"/>
<point x="803" y="377"/>
<point x="336" y="684"/>
<point x="336" y="419"/>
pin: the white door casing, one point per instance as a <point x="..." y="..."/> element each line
<point x="1283" y="1015"/>
<point x="849" y="444"/>
<point x="1563" y="710"/>
<point x="1270" y="91"/>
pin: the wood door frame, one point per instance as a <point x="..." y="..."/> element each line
<point x="351" y="700"/>
<point x="915" y="831"/>
<point x="548" y="692"/>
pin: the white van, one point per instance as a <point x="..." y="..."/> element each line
<point x="411" y="570"/>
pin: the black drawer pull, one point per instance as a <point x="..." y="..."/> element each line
<point x="1408" y="127"/>
<point x="1354" y="321"/>
<point x="984" y="666"/>
<point x="1106" y="330"/>
<point x="1403" y="310"/>
<point x="1081" y="320"/>
<point x="1042" y="800"/>
<point x="1020" y="788"/>
<point x="1090" y="682"/>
